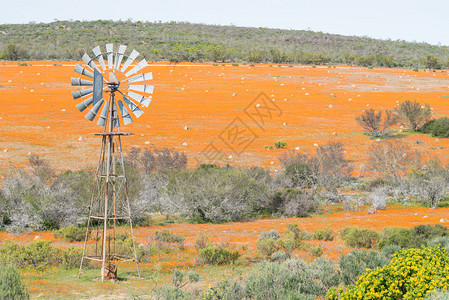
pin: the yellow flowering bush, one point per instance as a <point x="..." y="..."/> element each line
<point x="410" y="275"/>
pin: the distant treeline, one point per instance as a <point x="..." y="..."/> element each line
<point x="181" y="41"/>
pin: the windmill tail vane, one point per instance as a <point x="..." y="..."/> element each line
<point x="129" y="91"/>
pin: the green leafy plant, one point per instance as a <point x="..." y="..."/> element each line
<point x="214" y="255"/>
<point x="11" y="286"/>
<point x="280" y="144"/>
<point x="71" y="234"/>
<point x="359" y="237"/>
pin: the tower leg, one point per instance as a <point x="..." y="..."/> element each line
<point x="129" y="207"/>
<point x="97" y="173"/>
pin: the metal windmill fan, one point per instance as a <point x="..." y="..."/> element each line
<point x="132" y="76"/>
<point x="109" y="205"/>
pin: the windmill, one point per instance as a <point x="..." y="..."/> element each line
<point x="127" y="91"/>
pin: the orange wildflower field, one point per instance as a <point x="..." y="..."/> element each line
<point x="312" y="106"/>
<point x="307" y="106"/>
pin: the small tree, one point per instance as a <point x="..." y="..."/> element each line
<point x="432" y="62"/>
<point x="393" y="158"/>
<point x="375" y="124"/>
<point x="413" y="114"/>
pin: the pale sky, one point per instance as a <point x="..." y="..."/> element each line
<point x="410" y="20"/>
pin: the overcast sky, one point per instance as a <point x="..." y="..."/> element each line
<point x="411" y="20"/>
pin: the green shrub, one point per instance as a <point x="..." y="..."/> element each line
<point x="11" y="286"/>
<point x="202" y="242"/>
<point x="280" y="144"/>
<point x="355" y="264"/>
<point x="411" y="238"/>
<point x="292" y="279"/>
<point x="442" y="241"/>
<point x="359" y="237"/>
<point x="267" y="246"/>
<point x="412" y="274"/>
<point x="170" y="292"/>
<point x="272" y="234"/>
<point x="71" y="257"/>
<point x="145" y="252"/>
<point x="325" y="234"/>
<point x="398" y="236"/>
<point x="167" y="236"/>
<point x="437" y="127"/>
<point x="438" y="295"/>
<point x="12" y="254"/>
<point x="39" y="254"/>
<point x="300" y="235"/>
<point x="316" y="250"/>
<point x="71" y="234"/>
<point x="199" y="193"/>
<point x="388" y="251"/>
<point x="300" y="174"/>
<point x="279" y="256"/>
<point x="218" y="256"/>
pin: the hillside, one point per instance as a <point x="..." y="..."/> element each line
<point x="179" y="41"/>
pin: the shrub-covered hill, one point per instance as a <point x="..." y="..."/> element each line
<point x="180" y="41"/>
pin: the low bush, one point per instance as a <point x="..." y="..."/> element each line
<point x="316" y="250"/>
<point x="39" y="255"/>
<point x="438" y="295"/>
<point x="168" y="236"/>
<point x="11" y="286"/>
<point x="71" y="234"/>
<point x="280" y="144"/>
<point x="270" y="242"/>
<point x="325" y="234"/>
<point x="202" y="242"/>
<point x="412" y="274"/>
<point x="442" y="241"/>
<point x="70" y="257"/>
<point x="272" y="234"/>
<point x="437" y="127"/>
<point x="267" y="246"/>
<point x="291" y="279"/>
<point x="359" y="237"/>
<point x="215" y="194"/>
<point x="213" y="255"/>
<point x="411" y="238"/>
<point x="355" y="264"/>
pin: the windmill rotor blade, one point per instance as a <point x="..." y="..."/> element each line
<point x="79" y="82"/>
<point x="142" y="64"/>
<point x="104" y="114"/>
<point x="125" y="114"/>
<point x="79" y="69"/>
<point x="142" y="77"/>
<point x="133" y="107"/>
<point x="94" y="111"/>
<point x="142" y="88"/>
<point x="85" y="104"/>
<point x="110" y="53"/>
<point x="130" y="59"/>
<point x="139" y="98"/>
<point x="99" y="56"/>
<point x="81" y="93"/>
<point x="119" y="56"/>
<point x="86" y="58"/>
<point x="115" y="117"/>
<point x="98" y="87"/>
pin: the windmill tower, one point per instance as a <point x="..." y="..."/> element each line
<point x="126" y="89"/>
